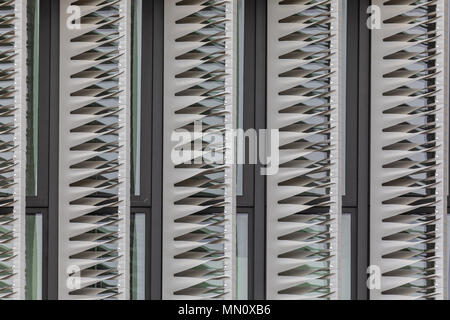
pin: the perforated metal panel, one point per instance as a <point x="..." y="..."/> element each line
<point x="13" y="104"/>
<point x="303" y="104"/>
<point x="408" y="148"/>
<point x="94" y="149"/>
<point x="198" y="191"/>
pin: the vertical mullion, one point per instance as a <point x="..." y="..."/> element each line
<point x="259" y="215"/>
<point x="147" y="134"/>
<point x="363" y="150"/>
<point x="350" y="199"/>
<point x="51" y="11"/>
<point x="155" y="9"/>
<point x="247" y="198"/>
<point x="351" y="106"/>
<point x="43" y="132"/>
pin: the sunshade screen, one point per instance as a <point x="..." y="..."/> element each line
<point x="13" y="104"/>
<point x="304" y="104"/>
<point x="94" y="149"/>
<point x="408" y="148"/>
<point x="198" y="193"/>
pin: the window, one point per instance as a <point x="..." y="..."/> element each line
<point x="33" y="265"/>
<point x="240" y="92"/>
<point x="346" y="256"/>
<point x="136" y="98"/>
<point x="32" y="97"/>
<point x="242" y="256"/>
<point x="137" y="256"/>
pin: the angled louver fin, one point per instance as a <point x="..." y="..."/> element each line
<point x="198" y="190"/>
<point x="408" y="175"/>
<point x="303" y="198"/>
<point x="94" y="150"/>
<point x="13" y="104"/>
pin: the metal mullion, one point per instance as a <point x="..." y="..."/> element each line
<point x="363" y="150"/>
<point x="51" y="9"/>
<point x="249" y="112"/>
<point x="259" y="221"/>
<point x="152" y="15"/>
<point x="351" y="123"/>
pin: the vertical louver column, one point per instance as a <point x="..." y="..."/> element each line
<point x="408" y="174"/>
<point x="198" y="186"/>
<point x="94" y="149"/>
<point x="303" y="104"/>
<point x="13" y="104"/>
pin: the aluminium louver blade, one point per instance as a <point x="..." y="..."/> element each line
<point x="408" y="148"/>
<point x="13" y="104"/>
<point x="198" y="190"/>
<point x="94" y="150"/>
<point x="303" y="104"/>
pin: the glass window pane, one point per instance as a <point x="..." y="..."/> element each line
<point x="32" y="97"/>
<point x="242" y="256"/>
<point x="137" y="256"/>
<point x="346" y="258"/>
<point x="136" y="98"/>
<point x="240" y="95"/>
<point x="343" y="88"/>
<point x="33" y="257"/>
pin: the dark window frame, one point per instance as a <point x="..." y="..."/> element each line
<point x="46" y="193"/>
<point x="150" y="199"/>
<point x="153" y="17"/>
<point x="253" y="198"/>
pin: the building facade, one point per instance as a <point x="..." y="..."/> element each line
<point x="237" y="149"/>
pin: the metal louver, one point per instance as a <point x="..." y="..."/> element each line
<point x="12" y="147"/>
<point x="198" y="191"/>
<point x="94" y="149"/>
<point x="408" y="175"/>
<point x="303" y="198"/>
